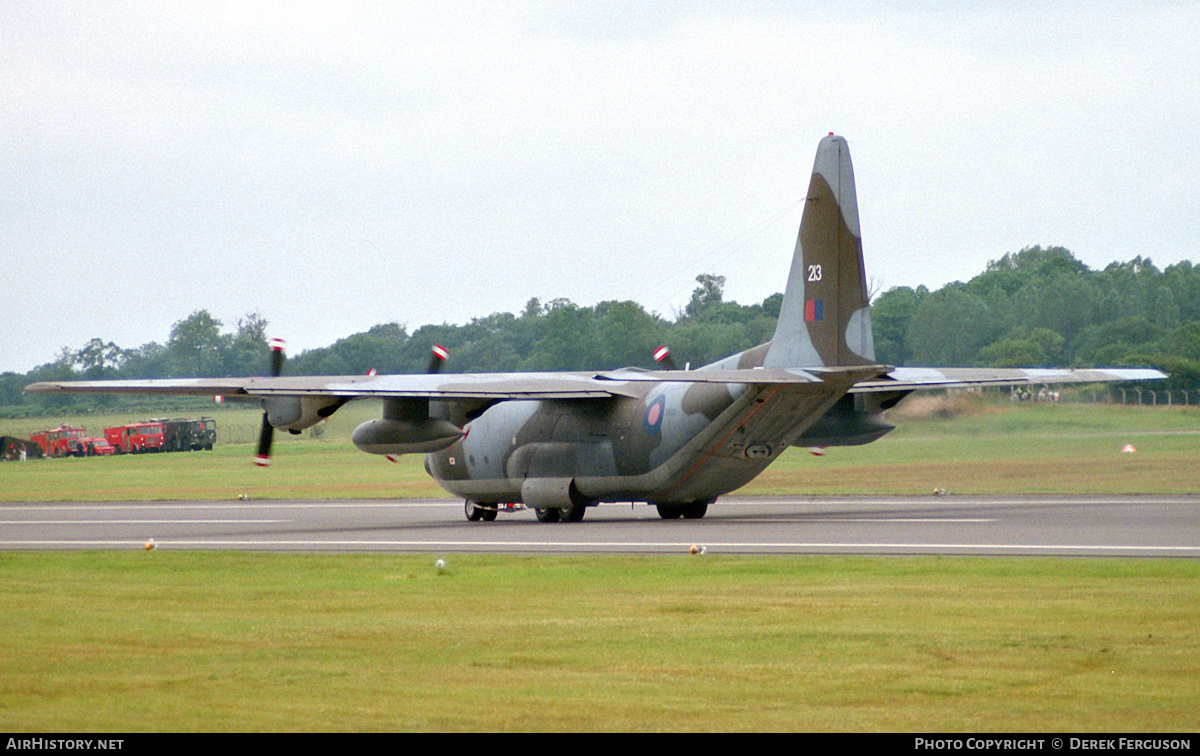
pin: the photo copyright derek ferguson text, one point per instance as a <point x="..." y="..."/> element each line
<point x="1052" y="744"/>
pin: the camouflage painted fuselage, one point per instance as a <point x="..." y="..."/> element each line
<point x="674" y="443"/>
<point x="614" y="449"/>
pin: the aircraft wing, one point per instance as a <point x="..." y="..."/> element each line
<point x="448" y="387"/>
<point x="462" y="386"/>
<point x="916" y="378"/>
<point x="493" y="387"/>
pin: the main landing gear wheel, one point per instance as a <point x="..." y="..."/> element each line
<point x="476" y="512"/>
<point x="669" y="511"/>
<point x="573" y="513"/>
<point x="692" y="510"/>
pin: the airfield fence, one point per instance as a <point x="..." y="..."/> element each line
<point x="1102" y="394"/>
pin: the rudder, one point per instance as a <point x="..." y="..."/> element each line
<point x="825" y="318"/>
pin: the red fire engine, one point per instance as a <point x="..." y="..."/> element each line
<point x="135" y="437"/>
<point x="54" y="442"/>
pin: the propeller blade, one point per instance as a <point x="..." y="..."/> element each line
<point x="662" y="356"/>
<point x="437" y="358"/>
<point x="267" y="434"/>
<point x="276" y="357"/>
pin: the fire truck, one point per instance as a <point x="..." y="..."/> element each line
<point x="136" y="438"/>
<point x="54" y="442"/>
<point x="185" y="434"/>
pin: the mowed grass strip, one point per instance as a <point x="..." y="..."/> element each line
<point x="194" y="641"/>
<point x="980" y="447"/>
<point x="307" y="470"/>
<point x="960" y="445"/>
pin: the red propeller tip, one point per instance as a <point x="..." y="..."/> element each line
<point x="440" y="352"/>
<point x="262" y="460"/>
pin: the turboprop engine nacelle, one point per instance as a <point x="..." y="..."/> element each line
<point x="295" y="413"/>
<point x="417" y="436"/>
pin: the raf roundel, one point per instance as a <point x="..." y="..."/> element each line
<point x="654" y="416"/>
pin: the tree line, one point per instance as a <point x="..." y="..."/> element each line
<point x="1044" y="308"/>
<point x="1039" y="307"/>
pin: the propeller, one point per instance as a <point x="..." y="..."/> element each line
<point x="265" y="436"/>
<point x="662" y="356"/>
<point x="437" y="358"/>
<point x="438" y="355"/>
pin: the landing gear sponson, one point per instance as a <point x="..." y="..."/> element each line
<point x="475" y="511"/>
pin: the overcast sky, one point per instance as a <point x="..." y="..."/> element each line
<point x="334" y="166"/>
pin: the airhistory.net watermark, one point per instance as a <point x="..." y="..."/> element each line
<point x="63" y="744"/>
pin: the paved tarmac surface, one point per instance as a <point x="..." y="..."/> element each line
<point x="996" y="525"/>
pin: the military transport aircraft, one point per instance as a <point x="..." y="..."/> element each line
<point x="677" y="439"/>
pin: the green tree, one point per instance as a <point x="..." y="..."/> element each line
<point x="568" y="341"/>
<point x="708" y="294"/>
<point x="12" y="389"/>
<point x="626" y="335"/>
<point x="1037" y="347"/>
<point x="247" y="348"/>
<point x="196" y="347"/>
<point x="62" y="369"/>
<point x="771" y="306"/>
<point x="99" y="359"/>
<point x="891" y="314"/>
<point x="380" y="348"/>
<point x="1113" y="343"/>
<point x="949" y="327"/>
<point x="147" y="361"/>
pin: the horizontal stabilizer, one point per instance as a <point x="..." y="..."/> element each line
<point x="914" y="379"/>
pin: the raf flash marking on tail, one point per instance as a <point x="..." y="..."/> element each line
<point x="814" y="310"/>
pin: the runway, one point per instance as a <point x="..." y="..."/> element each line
<point x="1144" y="526"/>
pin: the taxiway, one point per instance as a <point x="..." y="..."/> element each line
<point x="1153" y="526"/>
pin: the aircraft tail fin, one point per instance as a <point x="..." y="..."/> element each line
<point x="825" y="318"/>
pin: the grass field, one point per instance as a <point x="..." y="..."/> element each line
<point x="194" y="641"/>
<point x="963" y="447"/>
<point x="187" y="641"/>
